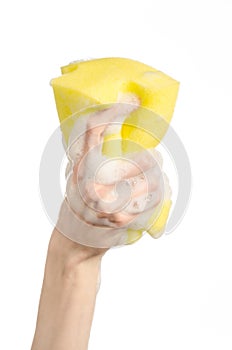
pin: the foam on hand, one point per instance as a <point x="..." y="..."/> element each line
<point x="142" y="100"/>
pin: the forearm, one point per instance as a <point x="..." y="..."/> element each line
<point x="68" y="296"/>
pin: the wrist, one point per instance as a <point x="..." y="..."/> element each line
<point x="71" y="258"/>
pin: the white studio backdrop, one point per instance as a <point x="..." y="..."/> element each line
<point x="172" y="293"/>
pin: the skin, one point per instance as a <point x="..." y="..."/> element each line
<point x="71" y="276"/>
<point x="68" y="295"/>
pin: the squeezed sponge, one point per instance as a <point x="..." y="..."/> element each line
<point x="102" y="81"/>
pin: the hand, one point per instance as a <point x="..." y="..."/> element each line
<point x="107" y="198"/>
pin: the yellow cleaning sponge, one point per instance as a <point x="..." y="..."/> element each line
<point x="101" y="81"/>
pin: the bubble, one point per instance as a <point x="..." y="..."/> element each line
<point x="133" y="182"/>
<point x="149" y="197"/>
<point x="136" y="205"/>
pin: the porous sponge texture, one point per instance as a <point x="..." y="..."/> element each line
<point x="101" y="81"/>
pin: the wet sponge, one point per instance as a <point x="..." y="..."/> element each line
<point x="94" y="82"/>
<point x="102" y="81"/>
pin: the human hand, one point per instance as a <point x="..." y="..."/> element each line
<point x="106" y="199"/>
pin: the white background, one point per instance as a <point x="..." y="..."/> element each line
<point x="172" y="293"/>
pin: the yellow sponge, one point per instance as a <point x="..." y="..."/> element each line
<point x="101" y="81"/>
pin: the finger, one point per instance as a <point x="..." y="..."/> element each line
<point x="138" y="206"/>
<point x="141" y="204"/>
<point x="108" y="198"/>
<point x="111" y="198"/>
<point x="145" y="182"/>
<point x="98" y="122"/>
<point x="130" y="166"/>
<point x="114" y="197"/>
<point x="84" y="207"/>
<point x="119" y="219"/>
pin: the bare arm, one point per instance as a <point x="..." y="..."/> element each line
<point x="68" y="295"/>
